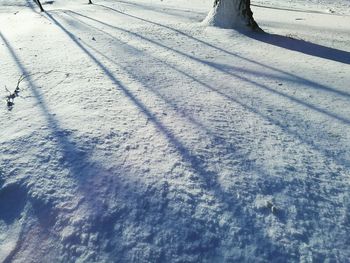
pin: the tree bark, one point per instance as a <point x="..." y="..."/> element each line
<point x="232" y="14"/>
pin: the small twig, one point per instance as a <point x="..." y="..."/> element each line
<point x="12" y="95"/>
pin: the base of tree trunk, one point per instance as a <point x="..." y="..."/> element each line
<point x="235" y="14"/>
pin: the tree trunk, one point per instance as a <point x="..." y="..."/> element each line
<point x="40" y="6"/>
<point x="90" y="2"/>
<point x="232" y="14"/>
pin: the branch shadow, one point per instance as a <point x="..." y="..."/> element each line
<point x="302" y="46"/>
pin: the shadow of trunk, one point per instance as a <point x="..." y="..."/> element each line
<point x="302" y="46"/>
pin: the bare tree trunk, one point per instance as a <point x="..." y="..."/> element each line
<point x="90" y="2"/>
<point x="232" y="14"/>
<point x="40" y="6"/>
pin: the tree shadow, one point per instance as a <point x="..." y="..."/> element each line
<point x="237" y="73"/>
<point x="62" y="136"/>
<point x="182" y="226"/>
<point x="306" y="104"/>
<point x="44" y="208"/>
<point x="278" y="120"/>
<point x="30" y="4"/>
<point x="172" y="11"/>
<point x="206" y="179"/>
<point x="186" y="153"/>
<point x="302" y="46"/>
<point x="12" y="202"/>
<point x="295" y="10"/>
<point x="211" y="186"/>
<point x="78" y="165"/>
<point x="310" y="83"/>
<point x="201" y="170"/>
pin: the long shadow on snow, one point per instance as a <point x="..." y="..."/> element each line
<point x="76" y="161"/>
<point x="60" y="134"/>
<point x="260" y="113"/>
<point x="176" y="12"/>
<point x="302" y="46"/>
<point x="328" y="113"/>
<point x="279" y="123"/>
<point x="207" y="179"/>
<point x="186" y="114"/>
<point x="219" y="141"/>
<point x="310" y="189"/>
<point x="296" y="10"/>
<point x="136" y="75"/>
<point x="78" y="164"/>
<point x="310" y="83"/>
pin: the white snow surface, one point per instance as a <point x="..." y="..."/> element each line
<point x="140" y="135"/>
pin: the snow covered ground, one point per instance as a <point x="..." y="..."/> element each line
<point x="140" y="135"/>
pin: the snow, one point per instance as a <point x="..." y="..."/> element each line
<point x="140" y="135"/>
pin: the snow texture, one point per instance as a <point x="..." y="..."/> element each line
<point x="140" y="135"/>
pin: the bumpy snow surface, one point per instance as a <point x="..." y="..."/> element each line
<point x="140" y="135"/>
